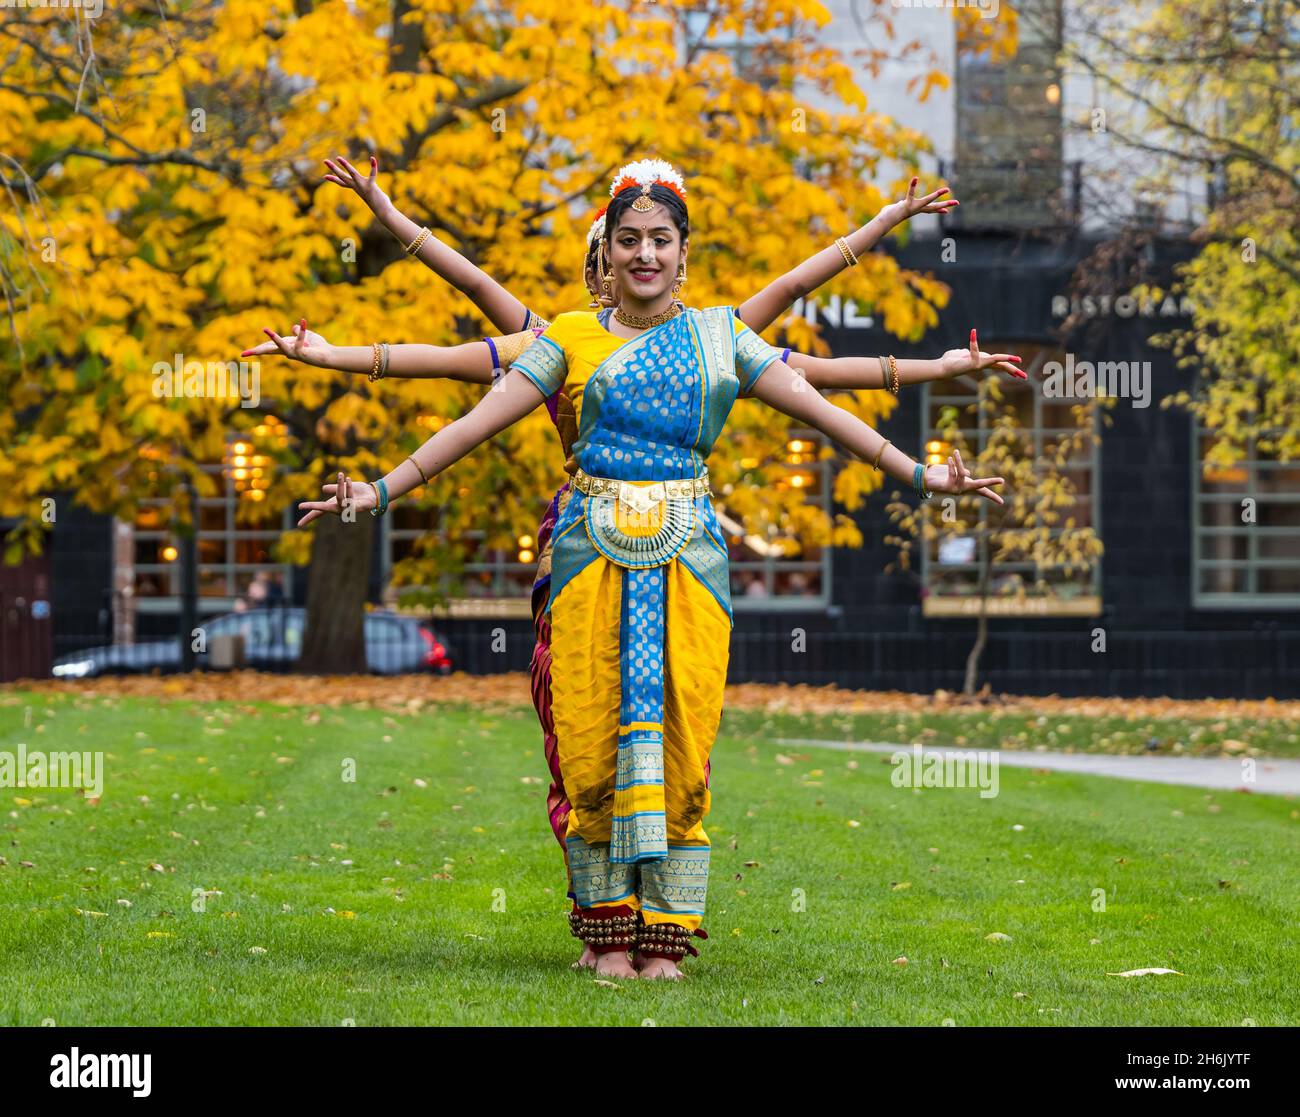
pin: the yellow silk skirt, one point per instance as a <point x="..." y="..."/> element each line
<point x="586" y="699"/>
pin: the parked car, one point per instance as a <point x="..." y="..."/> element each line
<point x="272" y="639"/>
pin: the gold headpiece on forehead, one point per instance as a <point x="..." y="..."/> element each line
<point x="644" y="203"/>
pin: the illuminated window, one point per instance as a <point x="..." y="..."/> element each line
<point x="953" y="565"/>
<point x="1246" y="530"/>
<point x="771" y="568"/>
<point x="503" y="576"/>
<point x="231" y="555"/>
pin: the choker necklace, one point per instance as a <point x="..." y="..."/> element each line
<point x="638" y="322"/>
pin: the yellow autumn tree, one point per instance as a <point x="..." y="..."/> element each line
<point x="163" y="172"/>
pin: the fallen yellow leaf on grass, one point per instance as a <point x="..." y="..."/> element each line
<point x="997" y="936"/>
<point x="159" y="935"/>
<point x="1143" y="973"/>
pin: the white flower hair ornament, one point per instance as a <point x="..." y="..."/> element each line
<point x="597" y="227"/>
<point x="646" y="173"/>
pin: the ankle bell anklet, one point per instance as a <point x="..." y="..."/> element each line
<point x="667" y="940"/>
<point x="605" y="930"/>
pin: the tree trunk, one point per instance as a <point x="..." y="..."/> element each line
<point x="982" y="630"/>
<point x="334" y="640"/>
<point x="973" y="660"/>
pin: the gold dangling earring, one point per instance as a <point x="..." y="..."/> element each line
<point x="681" y="278"/>
<point x="606" y="276"/>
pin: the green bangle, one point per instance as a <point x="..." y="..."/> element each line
<point x="381" y="495"/>
<point x="918" y="482"/>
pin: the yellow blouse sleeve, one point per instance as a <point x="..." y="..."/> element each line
<point x="546" y="362"/>
<point x="753" y="355"/>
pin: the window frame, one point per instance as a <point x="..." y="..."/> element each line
<point x="1251" y="598"/>
<point x="1090" y="603"/>
<point x="231" y="534"/>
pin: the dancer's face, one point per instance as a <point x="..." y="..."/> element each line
<point x="645" y="253"/>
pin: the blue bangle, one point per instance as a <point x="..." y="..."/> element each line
<point x="497" y="370"/>
<point x="382" y="486"/>
<point x="918" y="482"/>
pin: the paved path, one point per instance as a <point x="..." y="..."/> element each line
<point x="1272" y="777"/>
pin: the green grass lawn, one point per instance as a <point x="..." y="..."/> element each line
<point x="376" y="901"/>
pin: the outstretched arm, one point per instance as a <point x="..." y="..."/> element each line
<point x="761" y="310"/>
<point x="472" y="362"/>
<point x="513" y="397"/>
<point x="499" y="306"/>
<point x="875" y="372"/>
<point x="784" y="389"/>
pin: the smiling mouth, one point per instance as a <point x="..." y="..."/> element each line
<point x="644" y="273"/>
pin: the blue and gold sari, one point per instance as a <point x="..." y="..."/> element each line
<point x="640" y="603"/>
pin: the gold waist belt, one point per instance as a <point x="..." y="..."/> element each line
<point x="641" y="494"/>
<point x="640" y="523"/>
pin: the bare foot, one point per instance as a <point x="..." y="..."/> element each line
<point x="660" y="968"/>
<point x="587" y="961"/>
<point x="614" y="964"/>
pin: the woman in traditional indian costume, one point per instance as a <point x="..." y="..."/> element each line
<point x="485" y="361"/>
<point x="639" y="598"/>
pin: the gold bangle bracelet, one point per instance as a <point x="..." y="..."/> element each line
<point x="375" y="371"/>
<point x="411" y="458"/>
<point x="846" y="251"/>
<point x="893" y="368"/>
<point x="884" y="373"/>
<point x="414" y="246"/>
<point x="876" y="463"/>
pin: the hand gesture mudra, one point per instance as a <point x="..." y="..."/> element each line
<point x="346" y="175"/>
<point x="345" y="493"/>
<point x="973" y="359"/>
<point x="956" y="478"/>
<point x="305" y="346"/>
<point x="910" y="206"/>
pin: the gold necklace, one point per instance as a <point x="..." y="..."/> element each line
<point x="638" y="322"/>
